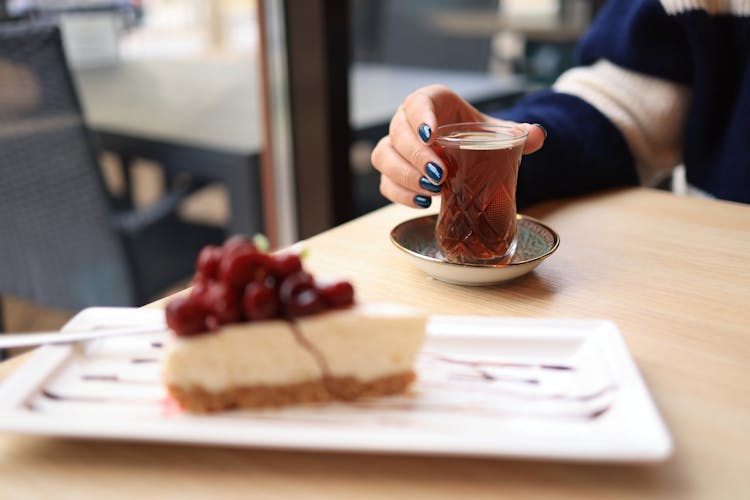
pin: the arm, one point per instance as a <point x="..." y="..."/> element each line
<point x="618" y="118"/>
<point x="615" y="120"/>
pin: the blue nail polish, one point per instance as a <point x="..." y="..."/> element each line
<point x="424" y="132"/>
<point x="426" y="184"/>
<point x="434" y="171"/>
<point x="422" y="201"/>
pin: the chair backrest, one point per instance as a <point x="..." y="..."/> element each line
<point x="58" y="244"/>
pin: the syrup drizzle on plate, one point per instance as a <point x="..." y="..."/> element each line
<point x="446" y="384"/>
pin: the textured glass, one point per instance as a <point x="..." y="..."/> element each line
<point x="477" y="220"/>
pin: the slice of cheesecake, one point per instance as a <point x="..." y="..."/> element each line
<point x="345" y="354"/>
<point x="256" y="330"/>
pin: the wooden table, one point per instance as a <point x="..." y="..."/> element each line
<point x="672" y="272"/>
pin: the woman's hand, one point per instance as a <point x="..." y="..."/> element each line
<point x="411" y="172"/>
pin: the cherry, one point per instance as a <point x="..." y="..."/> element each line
<point x="186" y="316"/>
<point x="207" y="264"/>
<point x="298" y="295"/>
<point x="212" y="323"/>
<point x="223" y="302"/>
<point x="338" y="294"/>
<point x="294" y="284"/>
<point x="199" y="286"/>
<point x="260" y="302"/>
<point x="242" y="266"/>
<point x="239" y="282"/>
<point x="285" y="264"/>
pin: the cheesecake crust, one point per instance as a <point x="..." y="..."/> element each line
<point x="199" y="400"/>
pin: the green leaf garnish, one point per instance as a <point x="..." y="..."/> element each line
<point x="261" y="242"/>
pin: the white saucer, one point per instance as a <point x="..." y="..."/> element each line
<point x="416" y="238"/>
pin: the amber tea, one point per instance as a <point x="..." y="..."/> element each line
<point x="477" y="220"/>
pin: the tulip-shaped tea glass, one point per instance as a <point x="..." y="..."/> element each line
<point x="477" y="220"/>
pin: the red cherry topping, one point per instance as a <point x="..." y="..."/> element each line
<point x="285" y="264"/>
<point x="207" y="264"/>
<point x="238" y="241"/>
<point x="260" y="302"/>
<point x="199" y="286"/>
<point x="239" y="282"/>
<point x="186" y="316"/>
<point x="338" y="294"/>
<point x="212" y="323"/>
<point x="295" y="284"/>
<point x="243" y="266"/>
<point x="224" y="302"/>
<point x="298" y="295"/>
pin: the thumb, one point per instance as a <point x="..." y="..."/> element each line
<point x="535" y="139"/>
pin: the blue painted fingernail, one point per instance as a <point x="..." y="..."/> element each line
<point x="543" y="129"/>
<point x="434" y="171"/>
<point x="424" y="132"/>
<point x="426" y="184"/>
<point x="422" y="201"/>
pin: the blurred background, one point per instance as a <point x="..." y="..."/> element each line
<point x="222" y="116"/>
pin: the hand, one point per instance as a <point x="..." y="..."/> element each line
<point x="411" y="172"/>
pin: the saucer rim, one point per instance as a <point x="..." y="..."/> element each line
<point x="519" y="217"/>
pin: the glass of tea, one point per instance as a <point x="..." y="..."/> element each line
<point x="477" y="220"/>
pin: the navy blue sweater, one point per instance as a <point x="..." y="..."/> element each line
<point x="701" y="58"/>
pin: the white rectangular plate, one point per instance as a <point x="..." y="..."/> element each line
<point x="497" y="387"/>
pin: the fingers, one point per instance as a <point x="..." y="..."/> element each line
<point x="428" y="107"/>
<point x="401" y="182"/>
<point x="418" y="113"/>
<point x="412" y="149"/>
<point x="536" y="134"/>
<point x="400" y="194"/>
<point x="411" y="171"/>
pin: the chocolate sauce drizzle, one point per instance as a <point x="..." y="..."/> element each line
<point x="105" y="377"/>
<point x="90" y="399"/>
<point x="484" y="372"/>
<point x="320" y="360"/>
<point x="489" y="412"/>
<point x="503" y="364"/>
<point x="144" y="360"/>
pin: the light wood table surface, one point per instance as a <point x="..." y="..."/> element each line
<point x="673" y="273"/>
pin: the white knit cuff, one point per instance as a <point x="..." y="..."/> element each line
<point x="713" y="7"/>
<point x="649" y="112"/>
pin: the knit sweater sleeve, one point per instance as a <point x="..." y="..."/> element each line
<point x="617" y="117"/>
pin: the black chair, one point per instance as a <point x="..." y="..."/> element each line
<point x="63" y="243"/>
